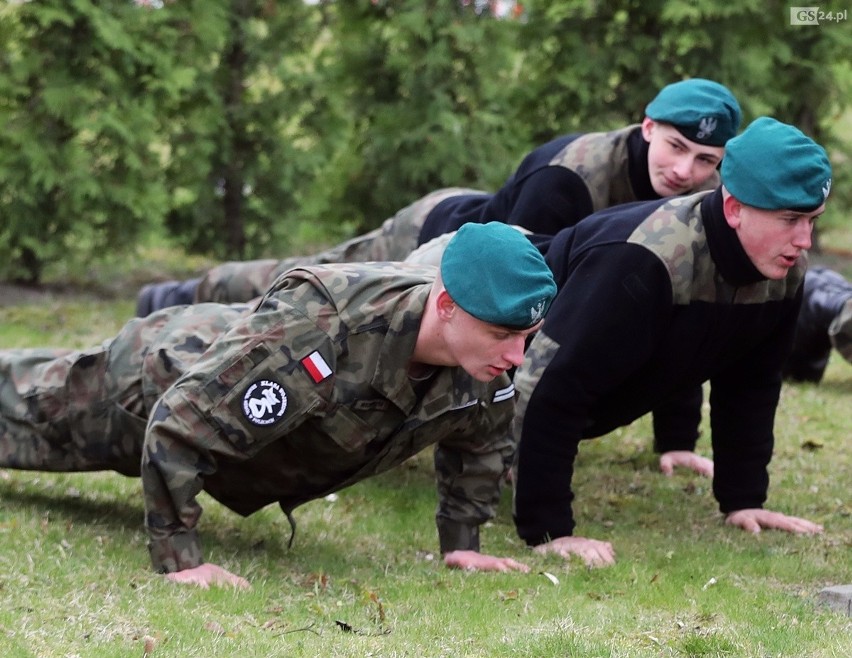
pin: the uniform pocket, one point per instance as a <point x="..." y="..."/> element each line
<point x="259" y="397"/>
<point x="347" y="430"/>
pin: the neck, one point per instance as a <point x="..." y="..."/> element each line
<point x="430" y="348"/>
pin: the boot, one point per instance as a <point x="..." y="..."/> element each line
<point x="156" y="296"/>
<point x="825" y="293"/>
<point x="840" y="331"/>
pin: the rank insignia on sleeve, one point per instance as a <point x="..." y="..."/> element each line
<point x="504" y="393"/>
<point x="264" y="402"/>
<point x="316" y="366"/>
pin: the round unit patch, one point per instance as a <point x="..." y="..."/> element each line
<point x="264" y="402"/>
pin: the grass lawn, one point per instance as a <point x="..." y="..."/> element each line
<point x="363" y="579"/>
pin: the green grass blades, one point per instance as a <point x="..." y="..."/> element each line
<point x="363" y="577"/>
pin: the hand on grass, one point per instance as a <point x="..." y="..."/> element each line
<point x="208" y="574"/>
<point x="753" y="520"/>
<point x="474" y="561"/>
<point x="688" y="459"/>
<point x="595" y="553"/>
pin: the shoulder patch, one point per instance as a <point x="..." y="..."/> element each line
<point x="504" y="394"/>
<point x="316" y="366"/>
<point x="264" y="402"/>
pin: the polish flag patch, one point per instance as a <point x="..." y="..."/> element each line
<point x="316" y="366"/>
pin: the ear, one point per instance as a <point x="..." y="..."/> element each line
<point x="648" y="125"/>
<point x="445" y="306"/>
<point x="733" y="209"/>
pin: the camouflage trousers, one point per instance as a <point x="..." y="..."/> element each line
<point x="64" y="410"/>
<point x="394" y="240"/>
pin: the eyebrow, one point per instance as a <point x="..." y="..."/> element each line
<point x="712" y="156"/>
<point x="678" y="138"/>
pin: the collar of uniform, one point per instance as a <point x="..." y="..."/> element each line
<point x="731" y="259"/>
<point x="390" y="378"/>
<point x="449" y="388"/>
<point x="637" y="166"/>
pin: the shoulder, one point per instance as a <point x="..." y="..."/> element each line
<point x="666" y="226"/>
<point x="357" y="293"/>
<point x="674" y="232"/>
<point x="341" y="283"/>
<point x="601" y="141"/>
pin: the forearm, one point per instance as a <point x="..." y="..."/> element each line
<point x="676" y="422"/>
<point x="742" y="437"/>
<point x="456" y="535"/>
<point x="171" y="480"/>
<point x="469" y="479"/>
<point x="543" y="497"/>
<point x="172" y="551"/>
<point x="547" y="434"/>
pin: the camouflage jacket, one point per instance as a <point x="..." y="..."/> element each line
<point x="558" y="184"/>
<point x="306" y="394"/>
<point x="603" y="161"/>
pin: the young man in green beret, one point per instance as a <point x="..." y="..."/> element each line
<point x="657" y="298"/>
<point x="338" y="373"/>
<point x="675" y="150"/>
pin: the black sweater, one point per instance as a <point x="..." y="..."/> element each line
<point x="644" y="312"/>
<point x="541" y="196"/>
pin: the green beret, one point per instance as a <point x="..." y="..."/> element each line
<point x="496" y="274"/>
<point x="703" y="111"/>
<point x="775" y="166"/>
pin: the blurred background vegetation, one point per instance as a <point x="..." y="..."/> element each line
<point x="233" y="129"/>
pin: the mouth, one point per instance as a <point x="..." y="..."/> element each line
<point x="673" y="185"/>
<point x="789" y="261"/>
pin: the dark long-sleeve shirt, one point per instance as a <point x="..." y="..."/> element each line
<point x="557" y="184"/>
<point x="654" y="299"/>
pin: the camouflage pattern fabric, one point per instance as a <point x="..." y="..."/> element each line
<point x="601" y="160"/>
<point x="840" y="331"/>
<point x="304" y="394"/>
<point x="675" y="233"/>
<point x="430" y="253"/>
<point x="392" y="241"/>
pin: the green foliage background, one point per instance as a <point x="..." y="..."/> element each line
<point x="249" y="128"/>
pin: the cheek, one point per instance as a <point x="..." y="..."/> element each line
<point x="655" y="159"/>
<point x="470" y="345"/>
<point x="702" y="171"/>
<point x="480" y="348"/>
<point x="756" y="243"/>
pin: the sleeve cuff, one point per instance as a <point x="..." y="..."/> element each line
<point x="456" y="536"/>
<point x="176" y="552"/>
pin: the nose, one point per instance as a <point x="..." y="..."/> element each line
<point x="514" y="353"/>
<point x="802" y="234"/>
<point x="683" y="167"/>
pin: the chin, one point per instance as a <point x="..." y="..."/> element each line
<point x="776" y="273"/>
<point x="483" y="375"/>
